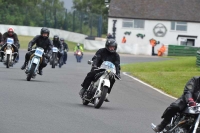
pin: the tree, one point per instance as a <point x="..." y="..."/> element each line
<point x="92" y="7"/>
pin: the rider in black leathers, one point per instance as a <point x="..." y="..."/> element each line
<point x="65" y="48"/>
<point x="1" y="37"/>
<point x="10" y="34"/>
<point x="42" y="41"/>
<point x="190" y="96"/>
<point x="104" y="54"/>
<point x="58" y="44"/>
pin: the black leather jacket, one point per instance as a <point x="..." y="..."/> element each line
<point x="65" y="46"/>
<point x="192" y="89"/>
<point x="14" y="36"/>
<point x="44" y="43"/>
<point x="104" y="55"/>
<point x="57" y="44"/>
<point x="1" y="37"/>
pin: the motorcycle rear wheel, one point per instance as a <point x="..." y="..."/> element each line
<point x="99" y="100"/>
<point x="8" y="61"/>
<point x="53" y="60"/>
<point x="29" y="76"/>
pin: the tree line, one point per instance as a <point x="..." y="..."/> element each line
<point x="87" y="17"/>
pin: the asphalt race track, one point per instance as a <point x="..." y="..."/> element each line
<point x="51" y="104"/>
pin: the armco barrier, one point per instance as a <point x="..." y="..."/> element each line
<point x="139" y="48"/>
<point x="177" y="50"/>
<point x="33" y="31"/>
<point x="198" y="58"/>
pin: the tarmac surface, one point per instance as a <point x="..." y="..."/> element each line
<point x="50" y="103"/>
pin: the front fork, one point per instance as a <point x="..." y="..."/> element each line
<point x="30" y="64"/>
<point x="196" y="124"/>
<point x="102" y="82"/>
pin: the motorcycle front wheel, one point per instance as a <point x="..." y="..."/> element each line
<point x="32" y="70"/>
<point x="99" y="100"/>
<point x="8" y="61"/>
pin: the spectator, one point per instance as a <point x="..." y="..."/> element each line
<point x="109" y="36"/>
<point x="124" y="39"/>
<point x="161" y="50"/>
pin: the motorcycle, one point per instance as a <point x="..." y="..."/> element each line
<point x="9" y="53"/>
<point x="184" y="122"/>
<point x="34" y="62"/>
<point x="98" y="90"/>
<point x="65" y="56"/>
<point x="78" y="55"/>
<point x="54" y="58"/>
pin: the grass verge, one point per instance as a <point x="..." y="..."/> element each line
<point x="169" y="76"/>
<point x="24" y="40"/>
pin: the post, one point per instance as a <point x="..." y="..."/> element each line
<point x="73" y="21"/>
<point x="81" y="22"/>
<point x="99" y="33"/>
<point x="45" y="17"/>
<point x="65" y="24"/>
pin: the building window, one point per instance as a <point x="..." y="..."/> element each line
<point x="138" y="24"/>
<point x="127" y="24"/>
<point x="179" y="26"/>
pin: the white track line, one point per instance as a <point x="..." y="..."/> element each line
<point x="149" y="86"/>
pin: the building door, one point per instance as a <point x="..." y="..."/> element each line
<point x="190" y="42"/>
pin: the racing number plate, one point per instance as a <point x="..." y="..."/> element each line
<point x="39" y="52"/>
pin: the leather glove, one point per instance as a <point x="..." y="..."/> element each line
<point x="94" y="67"/>
<point x="29" y="49"/>
<point x="191" y="102"/>
<point x="47" y="56"/>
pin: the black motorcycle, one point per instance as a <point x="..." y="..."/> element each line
<point x="184" y="122"/>
<point x="54" y="60"/>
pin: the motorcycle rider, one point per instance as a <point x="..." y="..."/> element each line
<point x="104" y="54"/>
<point x="190" y="95"/>
<point x="58" y="44"/>
<point x="10" y="34"/>
<point x="65" y="48"/>
<point x="42" y="41"/>
<point x="78" y="47"/>
<point x="0" y="38"/>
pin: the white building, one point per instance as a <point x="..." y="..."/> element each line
<point x="174" y="22"/>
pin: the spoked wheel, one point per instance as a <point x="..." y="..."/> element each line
<point x="60" y="61"/>
<point x="99" y="100"/>
<point x="29" y="76"/>
<point x="53" y="60"/>
<point x="8" y="61"/>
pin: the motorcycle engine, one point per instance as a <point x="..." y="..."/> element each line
<point x="179" y="130"/>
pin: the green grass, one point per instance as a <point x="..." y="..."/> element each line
<point x="24" y="40"/>
<point x="169" y="76"/>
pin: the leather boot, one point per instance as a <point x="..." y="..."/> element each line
<point x="24" y="66"/>
<point x="82" y="92"/>
<point x="40" y="72"/>
<point x="161" y="126"/>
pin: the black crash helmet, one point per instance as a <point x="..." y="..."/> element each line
<point x="45" y="30"/>
<point x="62" y="39"/>
<point x="56" y="38"/>
<point x="111" y="42"/>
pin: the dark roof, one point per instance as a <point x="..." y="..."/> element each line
<point x="174" y="10"/>
<point x="186" y="36"/>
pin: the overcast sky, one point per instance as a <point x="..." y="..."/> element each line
<point x="68" y="4"/>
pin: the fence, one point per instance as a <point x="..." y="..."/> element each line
<point x="81" y="22"/>
<point x="198" y="58"/>
<point x="176" y="50"/>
